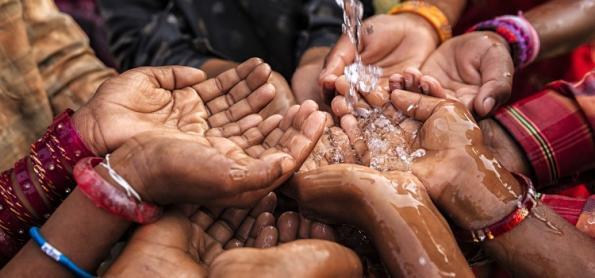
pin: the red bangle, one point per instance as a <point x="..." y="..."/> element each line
<point x="8" y="247"/>
<point x="10" y="221"/>
<point x="23" y="179"/>
<point x="67" y="140"/>
<point x="509" y="222"/>
<point x="109" y="197"/>
<point x="48" y="169"/>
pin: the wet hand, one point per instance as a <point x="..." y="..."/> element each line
<point x="392" y="42"/>
<point x="460" y="173"/>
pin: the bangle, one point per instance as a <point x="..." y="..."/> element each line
<point x="56" y="255"/>
<point x="110" y="198"/>
<point x="23" y="179"/>
<point x="518" y="32"/>
<point x="431" y="13"/>
<point x="14" y="203"/>
<point x="8" y="247"/>
<point x="529" y="201"/>
<point x="9" y="221"/>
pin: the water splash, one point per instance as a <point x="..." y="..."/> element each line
<point x="362" y="78"/>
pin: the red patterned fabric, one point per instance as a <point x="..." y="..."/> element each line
<point x="555" y="128"/>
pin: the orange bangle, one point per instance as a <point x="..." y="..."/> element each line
<point x="428" y="11"/>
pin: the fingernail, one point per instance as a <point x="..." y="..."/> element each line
<point x="488" y="104"/>
<point x="425" y="89"/>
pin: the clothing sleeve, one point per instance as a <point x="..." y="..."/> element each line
<point x="149" y="33"/>
<point x="555" y="128"/>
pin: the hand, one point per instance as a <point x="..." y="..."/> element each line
<point x="283" y="98"/>
<point x="236" y="164"/>
<point x="475" y="69"/>
<point x="166" y="99"/>
<point x="304" y="82"/>
<point x="392" y="42"/>
<point x="460" y="173"/>
<point x="184" y="245"/>
<point x="504" y="147"/>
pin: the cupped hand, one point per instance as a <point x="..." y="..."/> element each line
<point x="184" y="245"/>
<point x="231" y="166"/>
<point x="475" y="69"/>
<point x="458" y="170"/>
<point x="392" y="42"/>
<point x="170" y="99"/>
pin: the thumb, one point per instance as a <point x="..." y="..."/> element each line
<point x="496" y="70"/>
<point x="415" y="105"/>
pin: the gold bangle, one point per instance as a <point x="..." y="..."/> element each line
<point x="428" y="11"/>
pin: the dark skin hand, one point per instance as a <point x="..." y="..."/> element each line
<point x="283" y="99"/>
<point x="304" y="82"/>
<point x="454" y="72"/>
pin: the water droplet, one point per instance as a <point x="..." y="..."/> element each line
<point x="422" y="261"/>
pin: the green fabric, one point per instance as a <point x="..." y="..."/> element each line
<point x="383" y="6"/>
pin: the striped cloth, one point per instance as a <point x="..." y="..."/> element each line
<point x="555" y="128"/>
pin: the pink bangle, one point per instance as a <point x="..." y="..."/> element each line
<point x="10" y="221"/>
<point x="109" y="197"/>
<point x="23" y="179"/>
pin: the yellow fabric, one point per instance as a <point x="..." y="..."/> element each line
<point x="428" y="11"/>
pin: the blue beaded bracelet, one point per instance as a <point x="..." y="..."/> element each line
<point x="56" y="255"/>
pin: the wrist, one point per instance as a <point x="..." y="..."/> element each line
<point x="421" y="25"/>
<point x="85" y="124"/>
<point x="504" y="147"/>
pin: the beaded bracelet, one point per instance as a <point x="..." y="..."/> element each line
<point x="109" y="197"/>
<point x="431" y="13"/>
<point x="56" y="255"/>
<point x="529" y="201"/>
<point x="518" y="32"/>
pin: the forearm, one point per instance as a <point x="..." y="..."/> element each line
<point x="562" y="25"/>
<point x="544" y="245"/>
<point x="79" y="230"/>
<point x="452" y="9"/>
<point x="407" y="229"/>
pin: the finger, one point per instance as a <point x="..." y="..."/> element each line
<point x="412" y="77"/>
<point x="250" y="105"/>
<point x="255" y="135"/>
<point x="288" y="225"/>
<point x="340" y="107"/>
<point x="322" y="231"/>
<point x="233" y="243"/>
<point x="304" y="230"/>
<point x="396" y="82"/>
<point x="267" y="238"/>
<point x="224" y="228"/>
<point x="221" y="84"/>
<point x="496" y="70"/>
<point x="171" y="77"/>
<point x="418" y="106"/>
<point x="263" y="220"/>
<point x="241" y="90"/>
<point x="204" y="217"/>
<point x="267" y="204"/>
<point x="340" y="56"/>
<point x="235" y="128"/>
<point x="430" y="86"/>
<point x="350" y="126"/>
<point x="342" y="86"/>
